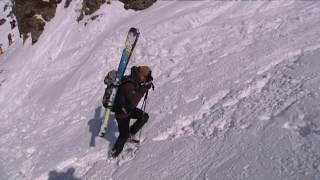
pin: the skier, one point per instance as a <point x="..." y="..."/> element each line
<point x="130" y="92"/>
<point x="10" y="39"/>
<point x="1" y="50"/>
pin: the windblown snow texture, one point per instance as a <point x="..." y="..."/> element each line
<point x="237" y="93"/>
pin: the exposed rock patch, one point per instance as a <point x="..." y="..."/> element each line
<point x="67" y="3"/>
<point x="89" y="7"/>
<point x="32" y="16"/>
<point x="137" y="4"/>
<point x="2" y="21"/>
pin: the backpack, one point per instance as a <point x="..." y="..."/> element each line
<point x="109" y="80"/>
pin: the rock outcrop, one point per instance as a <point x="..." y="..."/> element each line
<point x="2" y="21"/>
<point x="89" y="7"/>
<point x="67" y="3"/>
<point x="32" y="16"/>
<point x="137" y="4"/>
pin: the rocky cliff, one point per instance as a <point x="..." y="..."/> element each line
<point x="32" y="15"/>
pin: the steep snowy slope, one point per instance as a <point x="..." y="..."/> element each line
<point x="237" y="93"/>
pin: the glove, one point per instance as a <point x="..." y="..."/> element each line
<point x="147" y="85"/>
<point x="149" y="78"/>
<point x="124" y="110"/>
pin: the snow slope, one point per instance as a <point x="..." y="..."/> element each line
<point x="237" y="93"/>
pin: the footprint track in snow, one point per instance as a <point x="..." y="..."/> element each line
<point x="261" y="99"/>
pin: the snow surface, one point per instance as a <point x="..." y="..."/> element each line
<point x="237" y="93"/>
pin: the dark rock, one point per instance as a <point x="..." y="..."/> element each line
<point x="92" y="5"/>
<point x="89" y="7"/>
<point x="13" y="24"/>
<point x="6" y="7"/>
<point x="2" y="21"/>
<point x="67" y="3"/>
<point x="94" y="17"/>
<point x="137" y="4"/>
<point x="32" y="15"/>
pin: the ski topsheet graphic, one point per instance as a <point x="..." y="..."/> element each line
<point x="130" y="43"/>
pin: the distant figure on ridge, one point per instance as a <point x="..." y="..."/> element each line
<point x="1" y="50"/>
<point x="10" y="39"/>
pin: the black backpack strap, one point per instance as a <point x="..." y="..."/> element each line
<point x="128" y="78"/>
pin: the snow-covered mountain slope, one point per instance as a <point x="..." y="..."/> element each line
<point x="237" y="93"/>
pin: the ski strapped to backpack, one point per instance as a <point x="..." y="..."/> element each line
<point x="116" y="76"/>
<point x="111" y="83"/>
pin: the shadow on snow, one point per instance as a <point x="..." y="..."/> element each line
<point x="68" y="175"/>
<point x="95" y="124"/>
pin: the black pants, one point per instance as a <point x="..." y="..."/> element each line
<point x="125" y="130"/>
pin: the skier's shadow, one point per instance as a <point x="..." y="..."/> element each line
<point x="54" y="175"/>
<point x="95" y="125"/>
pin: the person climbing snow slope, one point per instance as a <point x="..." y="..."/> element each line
<point x="132" y="89"/>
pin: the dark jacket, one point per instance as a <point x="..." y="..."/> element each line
<point x="129" y="94"/>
